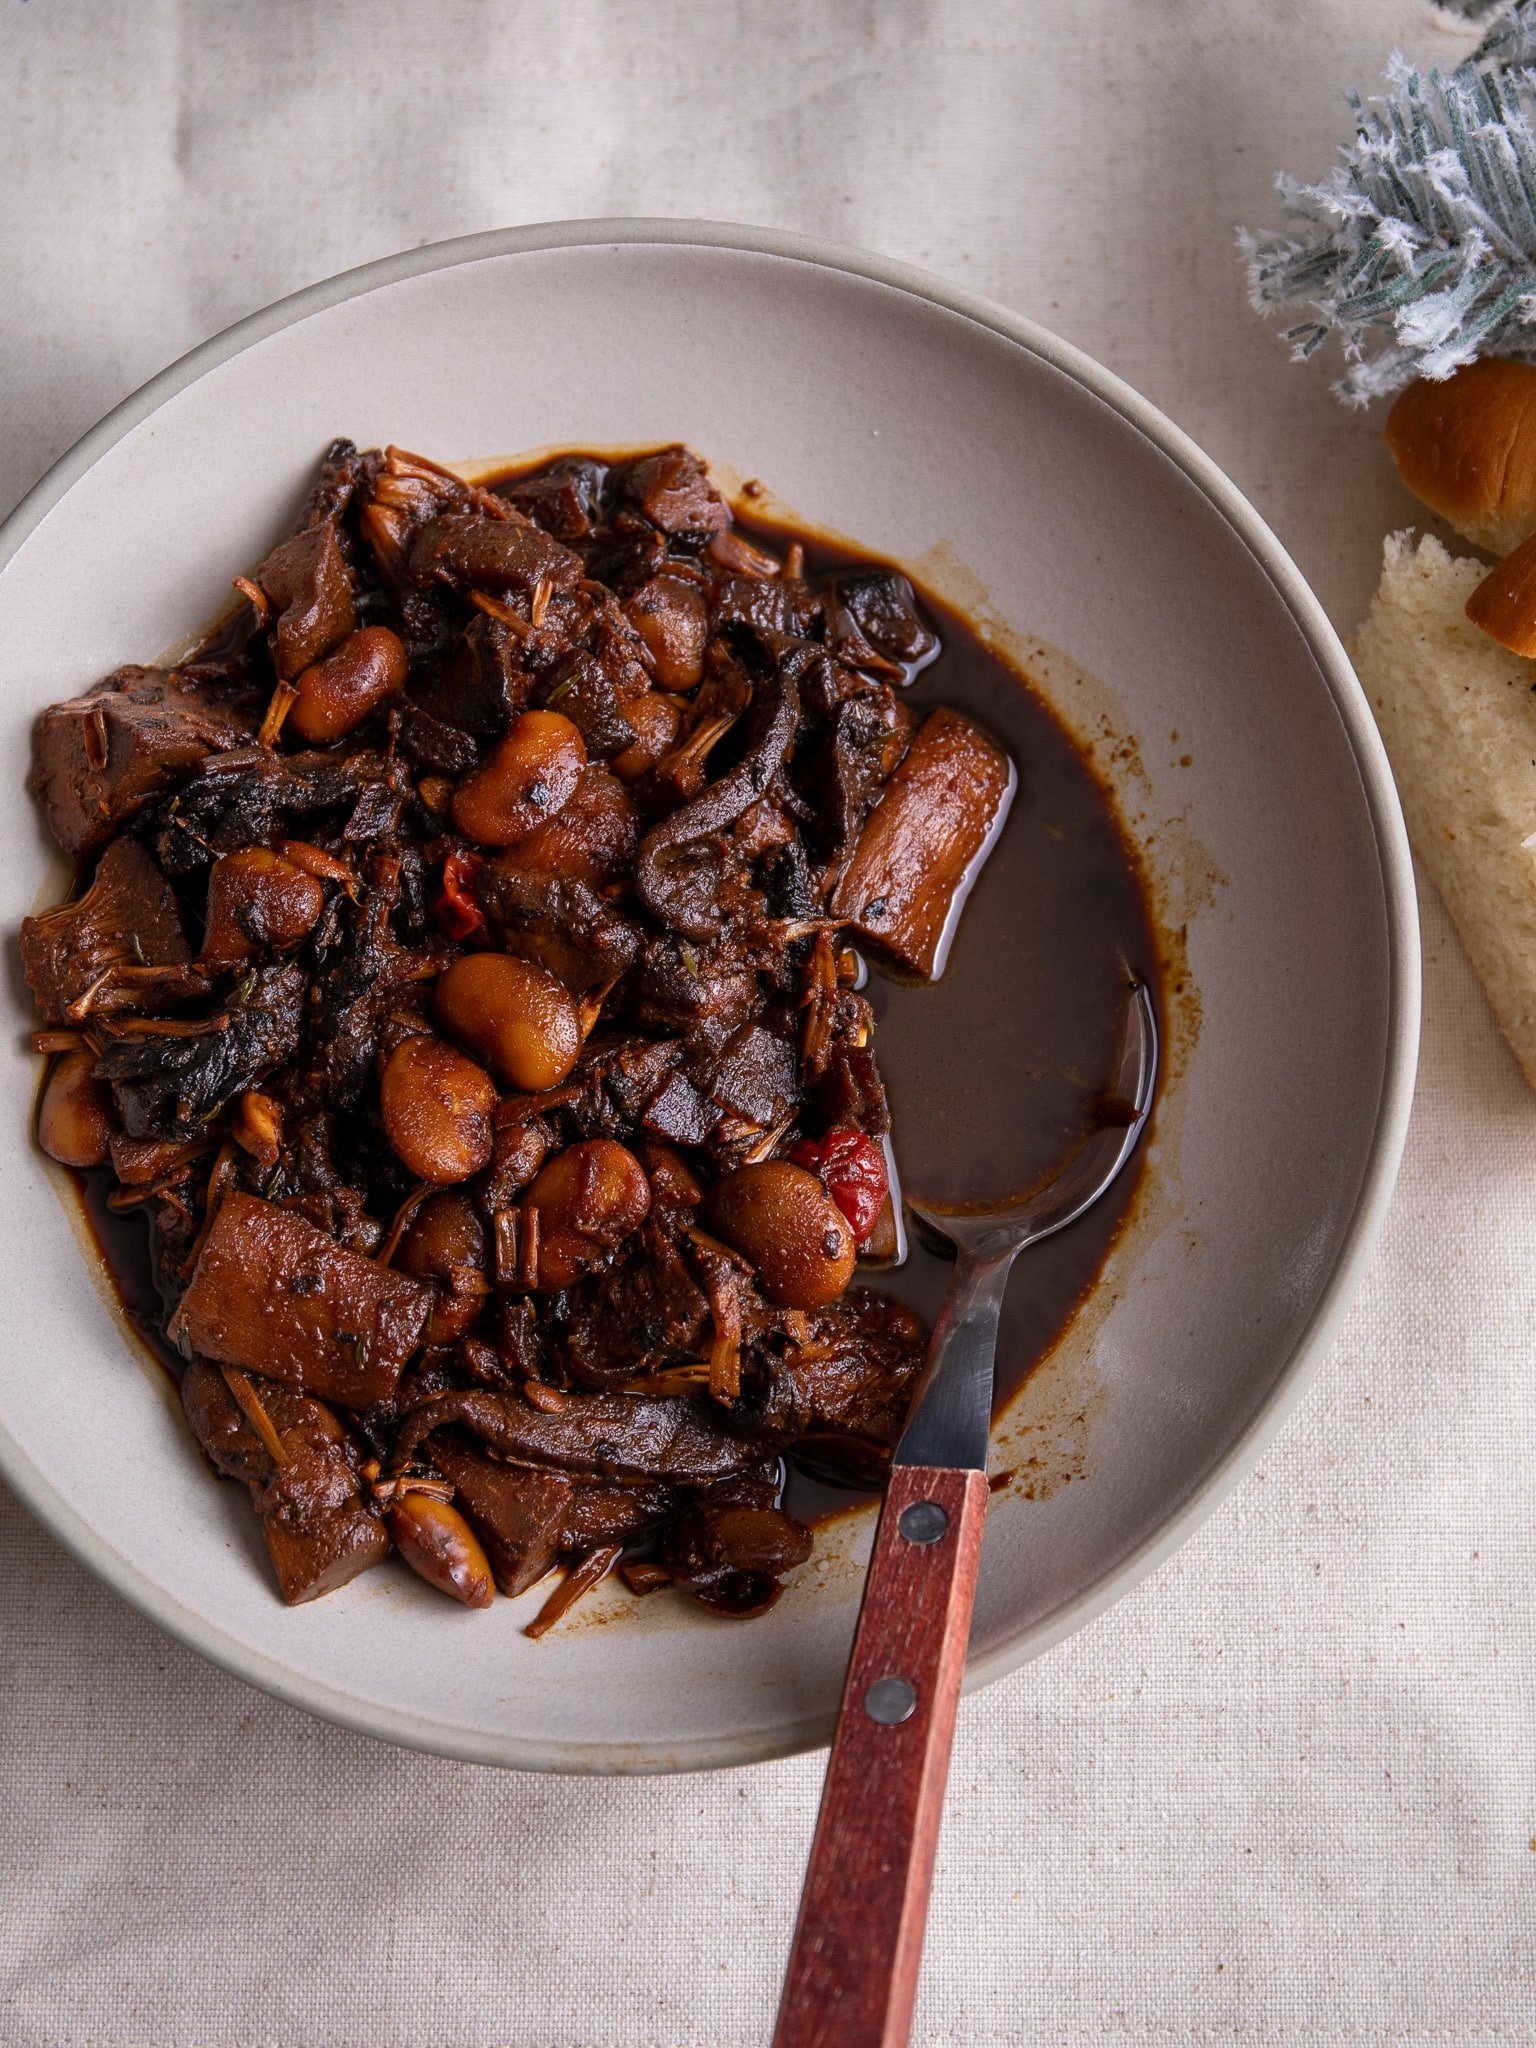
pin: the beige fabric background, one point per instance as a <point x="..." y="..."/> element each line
<point x="1284" y="1791"/>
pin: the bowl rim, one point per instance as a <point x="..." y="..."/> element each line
<point x="84" y="1542"/>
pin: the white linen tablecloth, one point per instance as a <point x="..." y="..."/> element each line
<point x="1284" y="1791"/>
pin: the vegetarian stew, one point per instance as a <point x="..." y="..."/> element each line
<point x="466" y="985"/>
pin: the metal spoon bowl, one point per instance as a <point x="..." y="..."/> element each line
<point x="952" y="1408"/>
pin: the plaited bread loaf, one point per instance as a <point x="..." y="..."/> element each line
<point x="1467" y="447"/>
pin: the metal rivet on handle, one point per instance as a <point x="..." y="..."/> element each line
<point x="923" y="1522"/>
<point x="890" y="1701"/>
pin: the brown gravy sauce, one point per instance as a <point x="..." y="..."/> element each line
<point x="992" y="1068"/>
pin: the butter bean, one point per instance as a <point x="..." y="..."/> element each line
<point x="436" y="1105"/>
<point x="513" y="1015"/>
<point x="589" y="1198"/>
<point x="781" y="1218"/>
<point x="672" y="618"/>
<point x="436" y="1541"/>
<point x="524" y="780"/>
<point x="74" y="1118"/>
<point x="337" y="694"/>
<point x="258" y="902"/>
<point x="445" y="1245"/>
<point x="655" y="721"/>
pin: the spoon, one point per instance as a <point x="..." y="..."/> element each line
<point x="853" y="1965"/>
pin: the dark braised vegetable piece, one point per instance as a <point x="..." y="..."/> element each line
<point x="519" y="1515"/>
<point x="673" y="490"/>
<point x="566" y="499"/>
<point x="172" y="1076"/>
<point x="847" y="1384"/>
<point x="914" y="858"/>
<point x="850" y="1093"/>
<point x="483" y="683"/>
<point x="509" y="1139"/>
<point x="625" y="1512"/>
<point x="674" y="1184"/>
<point x="302" y="1472"/>
<point x="492" y="554"/>
<point x="754" y="1077"/>
<point x="586" y="1572"/>
<point x="100" y="758"/>
<point x="519" y="1148"/>
<point x="687" y="1440"/>
<point x="117" y="947"/>
<point x="732" y="1558"/>
<point x="768" y="603"/>
<point x="877" y="607"/>
<point x="680" y="869"/>
<point x="252" y="797"/>
<point x="595" y="695"/>
<point x="568" y="927"/>
<point x="308" y="592"/>
<point x="280" y="1298"/>
<point x="649" y="1312"/>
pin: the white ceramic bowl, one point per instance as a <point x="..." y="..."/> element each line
<point x="929" y="424"/>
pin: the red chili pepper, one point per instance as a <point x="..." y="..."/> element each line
<point x="455" y="907"/>
<point x="851" y="1168"/>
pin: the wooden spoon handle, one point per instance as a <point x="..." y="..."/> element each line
<point x="852" y="1974"/>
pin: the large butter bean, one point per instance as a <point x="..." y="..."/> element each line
<point x="781" y="1218"/>
<point x="589" y="1198"/>
<point x="654" y="720"/>
<point x="74" y="1118"/>
<point x="258" y="901"/>
<point x="436" y="1104"/>
<point x="445" y="1245"/>
<point x="672" y="618"/>
<point x="337" y="694"/>
<point x="525" y="779"/>
<point x="514" y="1016"/>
